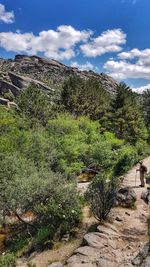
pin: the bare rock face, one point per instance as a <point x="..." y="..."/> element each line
<point x="6" y="87"/>
<point x="146" y="195"/>
<point x="126" y="197"/>
<point x="6" y="102"/>
<point x="23" y="82"/>
<point x="47" y="74"/>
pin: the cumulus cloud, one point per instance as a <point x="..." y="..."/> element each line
<point x="59" y="44"/>
<point x="6" y="17"/>
<point x="86" y="66"/>
<point x="108" y="41"/>
<point x="142" y="56"/>
<point x="125" y="67"/>
<point x="141" y="89"/>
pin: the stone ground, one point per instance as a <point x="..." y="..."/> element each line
<point x="115" y="244"/>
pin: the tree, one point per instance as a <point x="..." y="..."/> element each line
<point x="35" y="104"/>
<point x="146" y="110"/>
<point x="52" y="199"/>
<point x="126" y="119"/>
<point x="101" y="196"/>
<point x="85" y="97"/>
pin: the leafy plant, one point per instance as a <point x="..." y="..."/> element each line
<point x="7" y="260"/>
<point x="101" y="196"/>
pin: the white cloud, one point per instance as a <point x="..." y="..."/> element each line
<point x="6" y="17"/>
<point x="86" y="66"/>
<point x="141" y="89"/>
<point x="125" y="67"/>
<point x="123" y="70"/>
<point x="59" y="44"/>
<point x="142" y="56"/>
<point x="108" y="41"/>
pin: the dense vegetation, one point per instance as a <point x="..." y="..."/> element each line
<point x="44" y="146"/>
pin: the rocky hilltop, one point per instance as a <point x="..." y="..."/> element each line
<point x="16" y="74"/>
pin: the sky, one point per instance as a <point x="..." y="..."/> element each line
<point x="110" y="36"/>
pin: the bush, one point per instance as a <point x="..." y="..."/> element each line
<point x="7" y="260"/>
<point x="101" y="196"/>
<point x="59" y="214"/>
<point x="127" y="157"/>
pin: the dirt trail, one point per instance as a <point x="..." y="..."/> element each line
<point x="136" y="223"/>
<point x="131" y="231"/>
<point x="117" y="242"/>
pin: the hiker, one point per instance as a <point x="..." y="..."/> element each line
<point x="143" y="170"/>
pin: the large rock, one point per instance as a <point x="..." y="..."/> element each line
<point x="146" y="262"/>
<point x="56" y="264"/>
<point x="95" y="240"/>
<point x="146" y="195"/>
<point x="23" y="82"/>
<point x="6" y="87"/>
<point x="84" y="265"/>
<point x="142" y="257"/>
<point x="126" y="197"/>
<point x="6" y="102"/>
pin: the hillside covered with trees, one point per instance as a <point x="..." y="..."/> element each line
<point x="45" y="145"/>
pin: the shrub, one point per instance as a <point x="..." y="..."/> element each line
<point x="101" y="196"/>
<point x="60" y="213"/>
<point x="127" y="157"/>
<point x="7" y="260"/>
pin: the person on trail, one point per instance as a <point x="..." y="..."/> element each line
<point x="143" y="170"/>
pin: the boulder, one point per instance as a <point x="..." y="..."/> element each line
<point x="95" y="240"/>
<point x="146" y="262"/>
<point x="84" y="265"/>
<point x="126" y="197"/>
<point x="108" y="231"/>
<point x="146" y="195"/>
<point x="23" y="82"/>
<point x="4" y="101"/>
<point x="6" y="87"/>
<point x="56" y="264"/>
<point x="142" y="257"/>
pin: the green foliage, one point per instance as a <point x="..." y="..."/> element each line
<point x="146" y="110"/>
<point x="40" y="151"/>
<point x="101" y="196"/>
<point x="125" y="118"/>
<point x="61" y="212"/>
<point x="30" y="264"/>
<point x="127" y="157"/>
<point x="7" y="260"/>
<point x="9" y="95"/>
<point x="35" y="104"/>
<point x="87" y="97"/>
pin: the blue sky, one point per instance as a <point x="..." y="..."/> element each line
<point x="111" y="36"/>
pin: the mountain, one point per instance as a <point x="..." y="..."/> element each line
<point x="16" y="74"/>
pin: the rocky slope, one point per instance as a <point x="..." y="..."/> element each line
<point x="16" y="74"/>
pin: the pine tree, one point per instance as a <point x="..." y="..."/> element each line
<point x="126" y="119"/>
<point x="85" y="97"/>
<point x="146" y="110"/>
